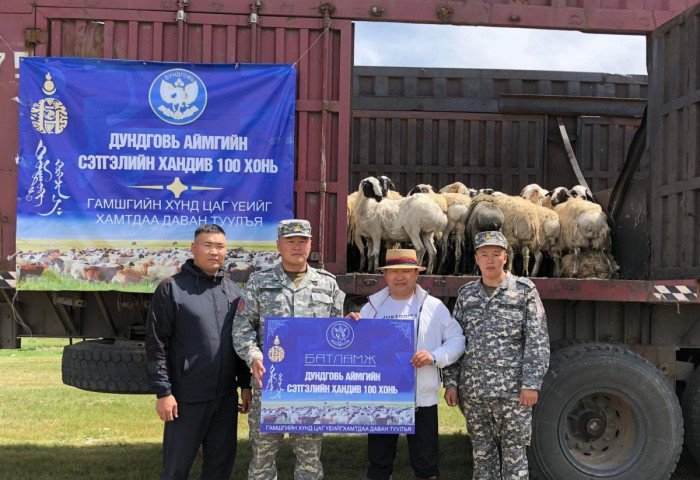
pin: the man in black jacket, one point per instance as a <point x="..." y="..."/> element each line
<point x="192" y="367"/>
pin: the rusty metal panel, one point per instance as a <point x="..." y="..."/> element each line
<point x="674" y="126"/>
<point x="15" y="20"/>
<point x="640" y="291"/>
<point x="621" y="16"/>
<point x="602" y="145"/>
<point x="322" y="56"/>
<point x="503" y="152"/>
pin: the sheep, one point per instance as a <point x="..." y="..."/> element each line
<point x="389" y="188"/>
<point x="127" y="276"/>
<point x="483" y="215"/>
<point x="521" y="227"/>
<point x="33" y="270"/>
<point x="159" y="272"/>
<point x="77" y="270"/>
<point x="415" y="219"/>
<point x="457" y="209"/>
<point x="550" y="230"/>
<point x="456" y="187"/>
<point x="557" y="196"/>
<point x="353" y="236"/>
<point x="591" y="264"/>
<point x="534" y="193"/>
<point x="430" y="192"/>
<point x="583" y="226"/>
<point x="101" y="273"/>
<point x="490" y="191"/>
<point x="579" y="191"/>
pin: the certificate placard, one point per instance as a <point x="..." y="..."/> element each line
<point x="336" y="375"/>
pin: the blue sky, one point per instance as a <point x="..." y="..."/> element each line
<point x="447" y="46"/>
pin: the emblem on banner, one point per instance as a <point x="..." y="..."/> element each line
<point x="276" y="353"/>
<point x="178" y="96"/>
<point x="49" y="115"/>
<point x="340" y="335"/>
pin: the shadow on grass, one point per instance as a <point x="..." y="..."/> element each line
<point x="344" y="458"/>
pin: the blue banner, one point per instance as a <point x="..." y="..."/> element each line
<point x="120" y="161"/>
<point x="331" y="375"/>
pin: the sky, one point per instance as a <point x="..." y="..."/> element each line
<point x="448" y="46"/>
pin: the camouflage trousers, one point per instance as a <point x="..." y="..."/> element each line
<point x="494" y="423"/>
<point x="306" y="446"/>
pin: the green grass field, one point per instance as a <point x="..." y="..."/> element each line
<point x="51" y="431"/>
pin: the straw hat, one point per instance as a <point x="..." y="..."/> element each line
<point x="401" y="259"/>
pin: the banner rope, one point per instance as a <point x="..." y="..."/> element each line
<point x="312" y="45"/>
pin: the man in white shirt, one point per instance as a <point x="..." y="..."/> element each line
<point x="439" y="342"/>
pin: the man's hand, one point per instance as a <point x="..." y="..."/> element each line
<point x="451" y="397"/>
<point x="354" y="315"/>
<point x="421" y="358"/>
<point x="257" y="369"/>
<point x="528" y="397"/>
<point x="167" y="408"/>
<point x="246" y="400"/>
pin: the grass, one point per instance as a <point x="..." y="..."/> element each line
<point x="51" y="431"/>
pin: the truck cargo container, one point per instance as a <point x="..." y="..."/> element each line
<point x="626" y="351"/>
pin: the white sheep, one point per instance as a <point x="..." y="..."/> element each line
<point x="521" y="227"/>
<point x="353" y="235"/>
<point x="583" y="226"/>
<point x="457" y="208"/>
<point x="456" y="187"/>
<point x="534" y="193"/>
<point x="415" y="219"/>
<point x="548" y="242"/>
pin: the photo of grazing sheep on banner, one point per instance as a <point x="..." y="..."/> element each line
<point x="120" y="161"/>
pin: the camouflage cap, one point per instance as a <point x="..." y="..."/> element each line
<point x="294" y="228"/>
<point x="490" y="238"/>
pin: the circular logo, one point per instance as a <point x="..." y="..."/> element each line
<point x="340" y="335"/>
<point x="49" y="116"/>
<point x="178" y="96"/>
<point x="275" y="354"/>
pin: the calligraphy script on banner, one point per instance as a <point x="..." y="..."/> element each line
<point x="120" y="161"/>
<point x="332" y="375"/>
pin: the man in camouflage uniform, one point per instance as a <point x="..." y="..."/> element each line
<point x="291" y="288"/>
<point x="496" y="381"/>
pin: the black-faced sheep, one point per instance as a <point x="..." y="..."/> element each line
<point x="483" y="216"/>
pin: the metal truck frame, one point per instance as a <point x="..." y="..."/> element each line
<point x="622" y="349"/>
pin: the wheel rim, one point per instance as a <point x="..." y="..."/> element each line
<point x="601" y="432"/>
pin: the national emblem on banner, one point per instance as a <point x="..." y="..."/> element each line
<point x="276" y="353"/>
<point x="49" y="115"/>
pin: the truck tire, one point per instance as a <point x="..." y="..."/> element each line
<point x="604" y="412"/>
<point x="691" y="414"/>
<point x="106" y="366"/>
